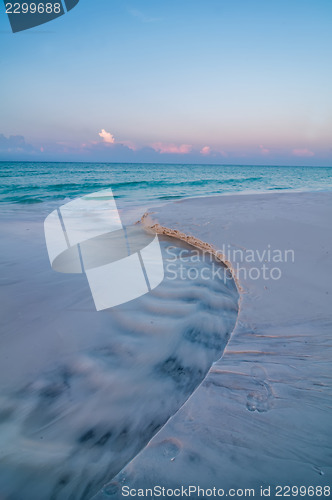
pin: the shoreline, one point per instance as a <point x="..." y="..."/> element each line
<point x="150" y="225"/>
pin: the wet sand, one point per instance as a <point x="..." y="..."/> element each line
<point x="262" y="416"/>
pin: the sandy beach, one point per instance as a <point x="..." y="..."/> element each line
<point x="262" y="415"/>
<point x="218" y="378"/>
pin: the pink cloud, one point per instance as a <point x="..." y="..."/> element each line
<point x="109" y="138"/>
<point x="303" y="152"/>
<point x="205" y="151"/>
<point x="106" y="136"/>
<point x="264" y="151"/>
<point x="171" y="148"/>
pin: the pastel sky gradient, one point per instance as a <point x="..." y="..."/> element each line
<point x="213" y="81"/>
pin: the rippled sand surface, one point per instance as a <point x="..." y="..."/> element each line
<point x="82" y="392"/>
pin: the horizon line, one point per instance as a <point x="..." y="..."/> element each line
<point x="162" y="163"/>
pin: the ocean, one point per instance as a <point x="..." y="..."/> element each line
<point x="146" y="184"/>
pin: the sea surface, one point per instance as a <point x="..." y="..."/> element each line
<point x="144" y="184"/>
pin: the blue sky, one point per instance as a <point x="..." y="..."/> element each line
<point x="184" y="81"/>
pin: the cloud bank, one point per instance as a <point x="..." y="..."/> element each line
<point x="163" y="148"/>
<point x="14" y="143"/>
<point x="105" y="147"/>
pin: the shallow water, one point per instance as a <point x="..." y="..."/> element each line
<point x="82" y="392"/>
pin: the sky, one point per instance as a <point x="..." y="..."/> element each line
<point x="183" y="81"/>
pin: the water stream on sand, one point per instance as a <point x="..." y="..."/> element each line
<point x="82" y="392"/>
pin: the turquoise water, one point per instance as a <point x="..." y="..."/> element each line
<point x="32" y="182"/>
